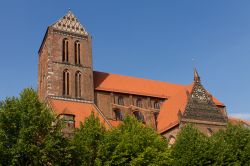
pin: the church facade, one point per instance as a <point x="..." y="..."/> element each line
<point x="68" y="83"/>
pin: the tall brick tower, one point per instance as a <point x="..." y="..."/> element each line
<point x="65" y="62"/>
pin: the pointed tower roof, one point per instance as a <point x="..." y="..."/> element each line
<point x="70" y="23"/>
<point x="196" y="76"/>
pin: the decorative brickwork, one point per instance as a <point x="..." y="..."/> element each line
<point x="70" y="23"/>
<point x="200" y="106"/>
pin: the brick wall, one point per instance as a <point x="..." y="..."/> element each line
<point x="51" y="66"/>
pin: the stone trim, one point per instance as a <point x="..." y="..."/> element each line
<point x="70" y="65"/>
<point x="71" y="99"/>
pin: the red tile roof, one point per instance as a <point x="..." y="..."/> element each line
<point x="133" y="85"/>
<point x="175" y="94"/>
<point x="237" y="121"/>
<point x="79" y="109"/>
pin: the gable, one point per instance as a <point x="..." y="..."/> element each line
<point x="69" y="23"/>
<point x="200" y="106"/>
<point x="80" y="110"/>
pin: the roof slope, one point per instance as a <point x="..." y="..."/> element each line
<point x="79" y="109"/>
<point x="133" y="85"/>
<point x="238" y="121"/>
<point x="175" y="94"/>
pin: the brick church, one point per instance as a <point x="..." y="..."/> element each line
<point x="68" y="83"/>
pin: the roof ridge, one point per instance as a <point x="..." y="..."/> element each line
<point x="145" y="79"/>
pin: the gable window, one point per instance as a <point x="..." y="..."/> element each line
<point x="139" y="116"/>
<point x="65" y="54"/>
<point x="69" y="120"/>
<point x="156" y="105"/>
<point x="77" y="53"/>
<point x="139" y="103"/>
<point x="118" y="114"/>
<point x="78" y="84"/>
<point x="66" y="82"/>
<point x="120" y="100"/>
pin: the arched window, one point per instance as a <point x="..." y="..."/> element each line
<point x="120" y="100"/>
<point x="171" y="140"/>
<point x="210" y="131"/>
<point x="66" y="82"/>
<point x="139" y="103"/>
<point x="118" y="114"/>
<point x="155" y="117"/>
<point x="156" y="105"/>
<point x="139" y="116"/>
<point x="78" y="84"/>
<point x="77" y="53"/>
<point x="65" y="56"/>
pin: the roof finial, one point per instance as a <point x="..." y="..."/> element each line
<point x="196" y="76"/>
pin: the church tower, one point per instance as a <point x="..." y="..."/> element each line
<point x="65" y="62"/>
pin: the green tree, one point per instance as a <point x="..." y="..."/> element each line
<point x="231" y="146"/>
<point x="27" y="136"/>
<point x="86" y="141"/>
<point x="133" y="144"/>
<point x="191" y="148"/>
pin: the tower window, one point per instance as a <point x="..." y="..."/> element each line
<point x="77" y="53"/>
<point x="120" y="100"/>
<point x="66" y="83"/>
<point x="65" y="56"/>
<point x="139" y="103"/>
<point x="118" y="114"/>
<point x="78" y="84"/>
<point x="139" y="116"/>
<point x="156" y="105"/>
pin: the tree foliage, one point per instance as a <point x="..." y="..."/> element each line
<point x="133" y="144"/>
<point x="190" y="148"/>
<point x="87" y="140"/>
<point x="31" y="135"/>
<point x="227" y="147"/>
<point x="231" y="146"/>
<point x="27" y="136"/>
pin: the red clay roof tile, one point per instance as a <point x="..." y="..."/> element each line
<point x="238" y="121"/>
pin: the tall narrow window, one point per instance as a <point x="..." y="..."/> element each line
<point x="139" y="116"/>
<point x="139" y="103"/>
<point x="118" y="114"/>
<point x="66" y="82"/>
<point x="65" y="56"/>
<point x="156" y="105"/>
<point x="77" y="53"/>
<point x="78" y="84"/>
<point x="120" y="100"/>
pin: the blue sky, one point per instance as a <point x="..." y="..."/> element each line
<point x="143" y="38"/>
